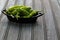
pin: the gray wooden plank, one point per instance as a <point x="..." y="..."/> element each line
<point x="6" y="31"/>
<point x="49" y="22"/>
<point x="58" y="2"/>
<point x="13" y="32"/>
<point x="10" y="3"/>
<point x="2" y="29"/>
<point x="44" y="22"/>
<point x="37" y="5"/>
<point x="19" y="2"/>
<point x="3" y="26"/>
<point x="56" y="13"/>
<point x="4" y="19"/>
<point x="24" y="2"/>
<point x="28" y="3"/>
<point x="26" y="32"/>
<point x="37" y="28"/>
<point x="19" y="33"/>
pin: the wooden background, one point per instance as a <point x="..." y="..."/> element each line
<point x="47" y="27"/>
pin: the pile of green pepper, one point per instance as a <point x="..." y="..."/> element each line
<point x="21" y="12"/>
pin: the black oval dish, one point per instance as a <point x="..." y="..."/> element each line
<point x="23" y="20"/>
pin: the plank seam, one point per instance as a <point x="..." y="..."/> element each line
<point x="6" y="32"/>
<point x="32" y="33"/>
<point x="55" y="22"/>
<point x="19" y="33"/>
<point x="33" y="4"/>
<point x="58" y="3"/>
<point x="45" y="28"/>
<point x="44" y="22"/>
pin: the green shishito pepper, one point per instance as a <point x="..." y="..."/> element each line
<point x="13" y="8"/>
<point x="26" y="8"/>
<point x="31" y="14"/>
<point x="21" y="11"/>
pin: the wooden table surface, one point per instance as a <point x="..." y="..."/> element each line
<point x="47" y="26"/>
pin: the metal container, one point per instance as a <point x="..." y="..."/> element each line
<point x="23" y="20"/>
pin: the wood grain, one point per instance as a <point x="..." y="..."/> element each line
<point x="13" y="32"/>
<point x="56" y="13"/>
<point x="46" y="27"/>
<point x="37" y="28"/>
<point x="50" y="26"/>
